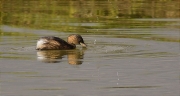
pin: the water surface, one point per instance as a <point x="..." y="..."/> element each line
<point x="133" y="48"/>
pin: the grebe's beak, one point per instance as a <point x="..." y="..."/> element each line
<point x="83" y="44"/>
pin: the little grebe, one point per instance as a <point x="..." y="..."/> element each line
<point x="55" y="43"/>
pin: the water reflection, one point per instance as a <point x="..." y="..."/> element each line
<point x="54" y="56"/>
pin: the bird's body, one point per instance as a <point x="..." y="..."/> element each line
<point x="56" y="43"/>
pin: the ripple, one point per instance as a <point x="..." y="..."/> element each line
<point x="129" y="87"/>
<point x="76" y="80"/>
<point x="48" y="89"/>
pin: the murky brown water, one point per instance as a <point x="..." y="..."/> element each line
<point x="133" y="48"/>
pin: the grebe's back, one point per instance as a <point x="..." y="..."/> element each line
<point x="56" y="43"/>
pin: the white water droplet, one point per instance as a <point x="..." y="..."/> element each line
<point x="95" y="41"/>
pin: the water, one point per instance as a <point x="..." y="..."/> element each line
<point x="130" y="53"/>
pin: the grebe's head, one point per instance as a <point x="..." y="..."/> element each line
<point x="76" y="39"/>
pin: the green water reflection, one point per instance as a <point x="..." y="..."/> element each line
<point x="83" y="16"/>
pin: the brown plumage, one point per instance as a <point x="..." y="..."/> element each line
<point x="56" y="43"/>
